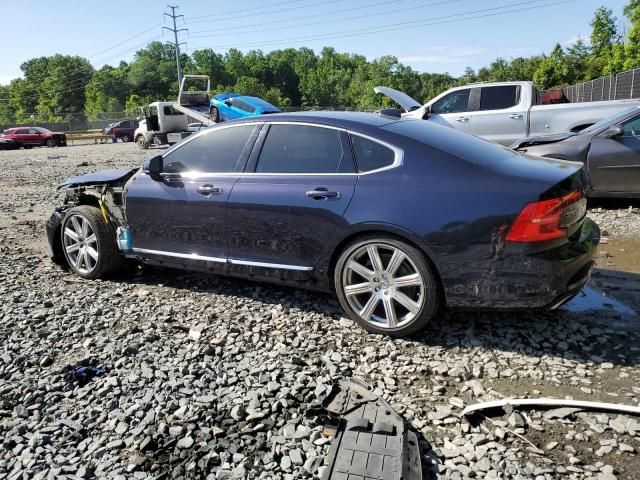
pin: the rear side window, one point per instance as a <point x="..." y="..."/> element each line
<point x="215" y="152"/>
<point x="303" y="149"/>
<point x="499" y="98"/>
<point x="22" y="132"/>
<point x="371" y="155"/>
<point x="455" y="102"/>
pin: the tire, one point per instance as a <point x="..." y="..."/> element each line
<point x="84" y="231"/>
<point x="214" y="114"/>
<point x="51" y="142"/>
<point x="142" y="142"/>
<point x="125" y="138"/>
<point x="388" y="309"/>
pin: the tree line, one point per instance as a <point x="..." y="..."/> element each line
<point x="61" y="87"/>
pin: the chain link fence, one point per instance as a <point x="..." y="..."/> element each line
<point x="621" y="86"/>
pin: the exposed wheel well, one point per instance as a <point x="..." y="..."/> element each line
<point x="351" y="238"/>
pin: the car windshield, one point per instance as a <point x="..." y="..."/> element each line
<point x="612" y="120"/>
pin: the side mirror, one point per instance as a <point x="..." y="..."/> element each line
<point x="153" y="165"/>
<point x="227" y="103"/>
<point x="427" y="112"/>
<point x="614" y="131"/>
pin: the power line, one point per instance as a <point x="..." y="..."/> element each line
<point x="176" y="44"/>
<point x="255" y="13"/>
<point x="400" y="26"/>
<point x="358" y="17"/>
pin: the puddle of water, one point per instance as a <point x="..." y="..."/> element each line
<point x="591" y="298"/>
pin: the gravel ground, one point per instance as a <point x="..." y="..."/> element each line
<point x="210" y="377"/>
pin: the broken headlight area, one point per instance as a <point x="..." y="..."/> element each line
<point x="370" y="440"/>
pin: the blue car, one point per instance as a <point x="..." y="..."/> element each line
<point x="231" y="106"/>
<point x="398" y="217"/>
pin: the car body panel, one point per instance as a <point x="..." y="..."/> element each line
<point x="452" y="196"/>
<point x="99" y="178"/>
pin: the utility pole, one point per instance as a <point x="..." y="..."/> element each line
<point x="176" y="44"/>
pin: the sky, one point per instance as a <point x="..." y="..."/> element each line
<point x="428" y="35"/>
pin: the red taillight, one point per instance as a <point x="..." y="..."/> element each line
<point x="540" y="221"/>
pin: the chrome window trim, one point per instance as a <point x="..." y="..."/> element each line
<point x="397" y="162"/>
<point x="232" y="261"/>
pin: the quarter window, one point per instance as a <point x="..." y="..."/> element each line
<point x="371" y="155"/>
<point x="455" y="102"/>
<point x="499" y="98"/>
<point x="303" y="149"/>
<point x="217" y="151"/>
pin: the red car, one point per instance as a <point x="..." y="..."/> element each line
<point x="28" y="137"/>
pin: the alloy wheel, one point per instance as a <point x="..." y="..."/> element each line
<point x="80" y="244"/>
<point x="383" y="285"/>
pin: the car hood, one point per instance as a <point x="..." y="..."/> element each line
<point x="97" y="178"/>
<point x="542" y="139"/>
<point x="405" y="101"/>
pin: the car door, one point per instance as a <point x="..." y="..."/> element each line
<point x="286" y="207"/>
<point x="181" y="213"/>
<point x="499" y="115"/>
<point x="614" y="163"/>
<point x="22" y="136"/>
<point x="454" y="110"/>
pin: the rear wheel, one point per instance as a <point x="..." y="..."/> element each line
<point x="88" y="243"/>
<point x="51" y="142"/>
<point x="142" y="142"/>
<point x="386" y="286"/>
<point x="214" y="114"/>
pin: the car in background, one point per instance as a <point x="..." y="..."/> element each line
<point x="398" y="217"/>
<point x="609" y="149"/>
<point x="8" y="144"/>
<point x="231" y="106"/>
<point x="28" y="137"/>
<point x="124" y="130"/>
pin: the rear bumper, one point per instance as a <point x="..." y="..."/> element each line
<point x="517" y="278"/>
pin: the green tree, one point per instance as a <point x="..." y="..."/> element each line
<point x="107" y="91"/>
<point x="553" y="70"/>
<point x="604" y="32"/>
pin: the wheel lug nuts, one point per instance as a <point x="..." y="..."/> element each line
<point x="376" y="279"/>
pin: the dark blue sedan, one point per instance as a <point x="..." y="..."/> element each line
<point x="399" y="217"/>
<point x="232" y="106"/>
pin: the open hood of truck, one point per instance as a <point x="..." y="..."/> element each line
<point x="407" y="103"/>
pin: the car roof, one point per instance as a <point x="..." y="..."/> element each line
<point x="334" y="119"/>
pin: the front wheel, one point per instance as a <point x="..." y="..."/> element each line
<point x="386" y="286"/>
<point x="142" y="142"/>
<point x="88" y="243"/>
<point x="125" y="138"/>
<point x="51" y="142"/>
<point x="214" y="114"/>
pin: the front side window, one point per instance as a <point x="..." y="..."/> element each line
<point x="371" y="155"/>
<point x="455" y="102"/>
<point x="632" y="127"/>
<point x="217" y="151"/>
<point x="303" y="149"/>
<point x="499" y="98"/>
<point x="244" y="106"/>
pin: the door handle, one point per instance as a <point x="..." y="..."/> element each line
<point x="462" y="119"/>
<point x="516" y="116"/>
<point x="322" y="193"/>
<point x="209" y="190"/>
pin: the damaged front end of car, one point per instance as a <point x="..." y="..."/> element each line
<point x="103" y="190"/>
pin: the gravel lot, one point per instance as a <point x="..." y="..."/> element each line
<point x="210" y="377"/>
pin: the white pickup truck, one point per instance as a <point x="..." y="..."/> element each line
<point x="504" y="112"/>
